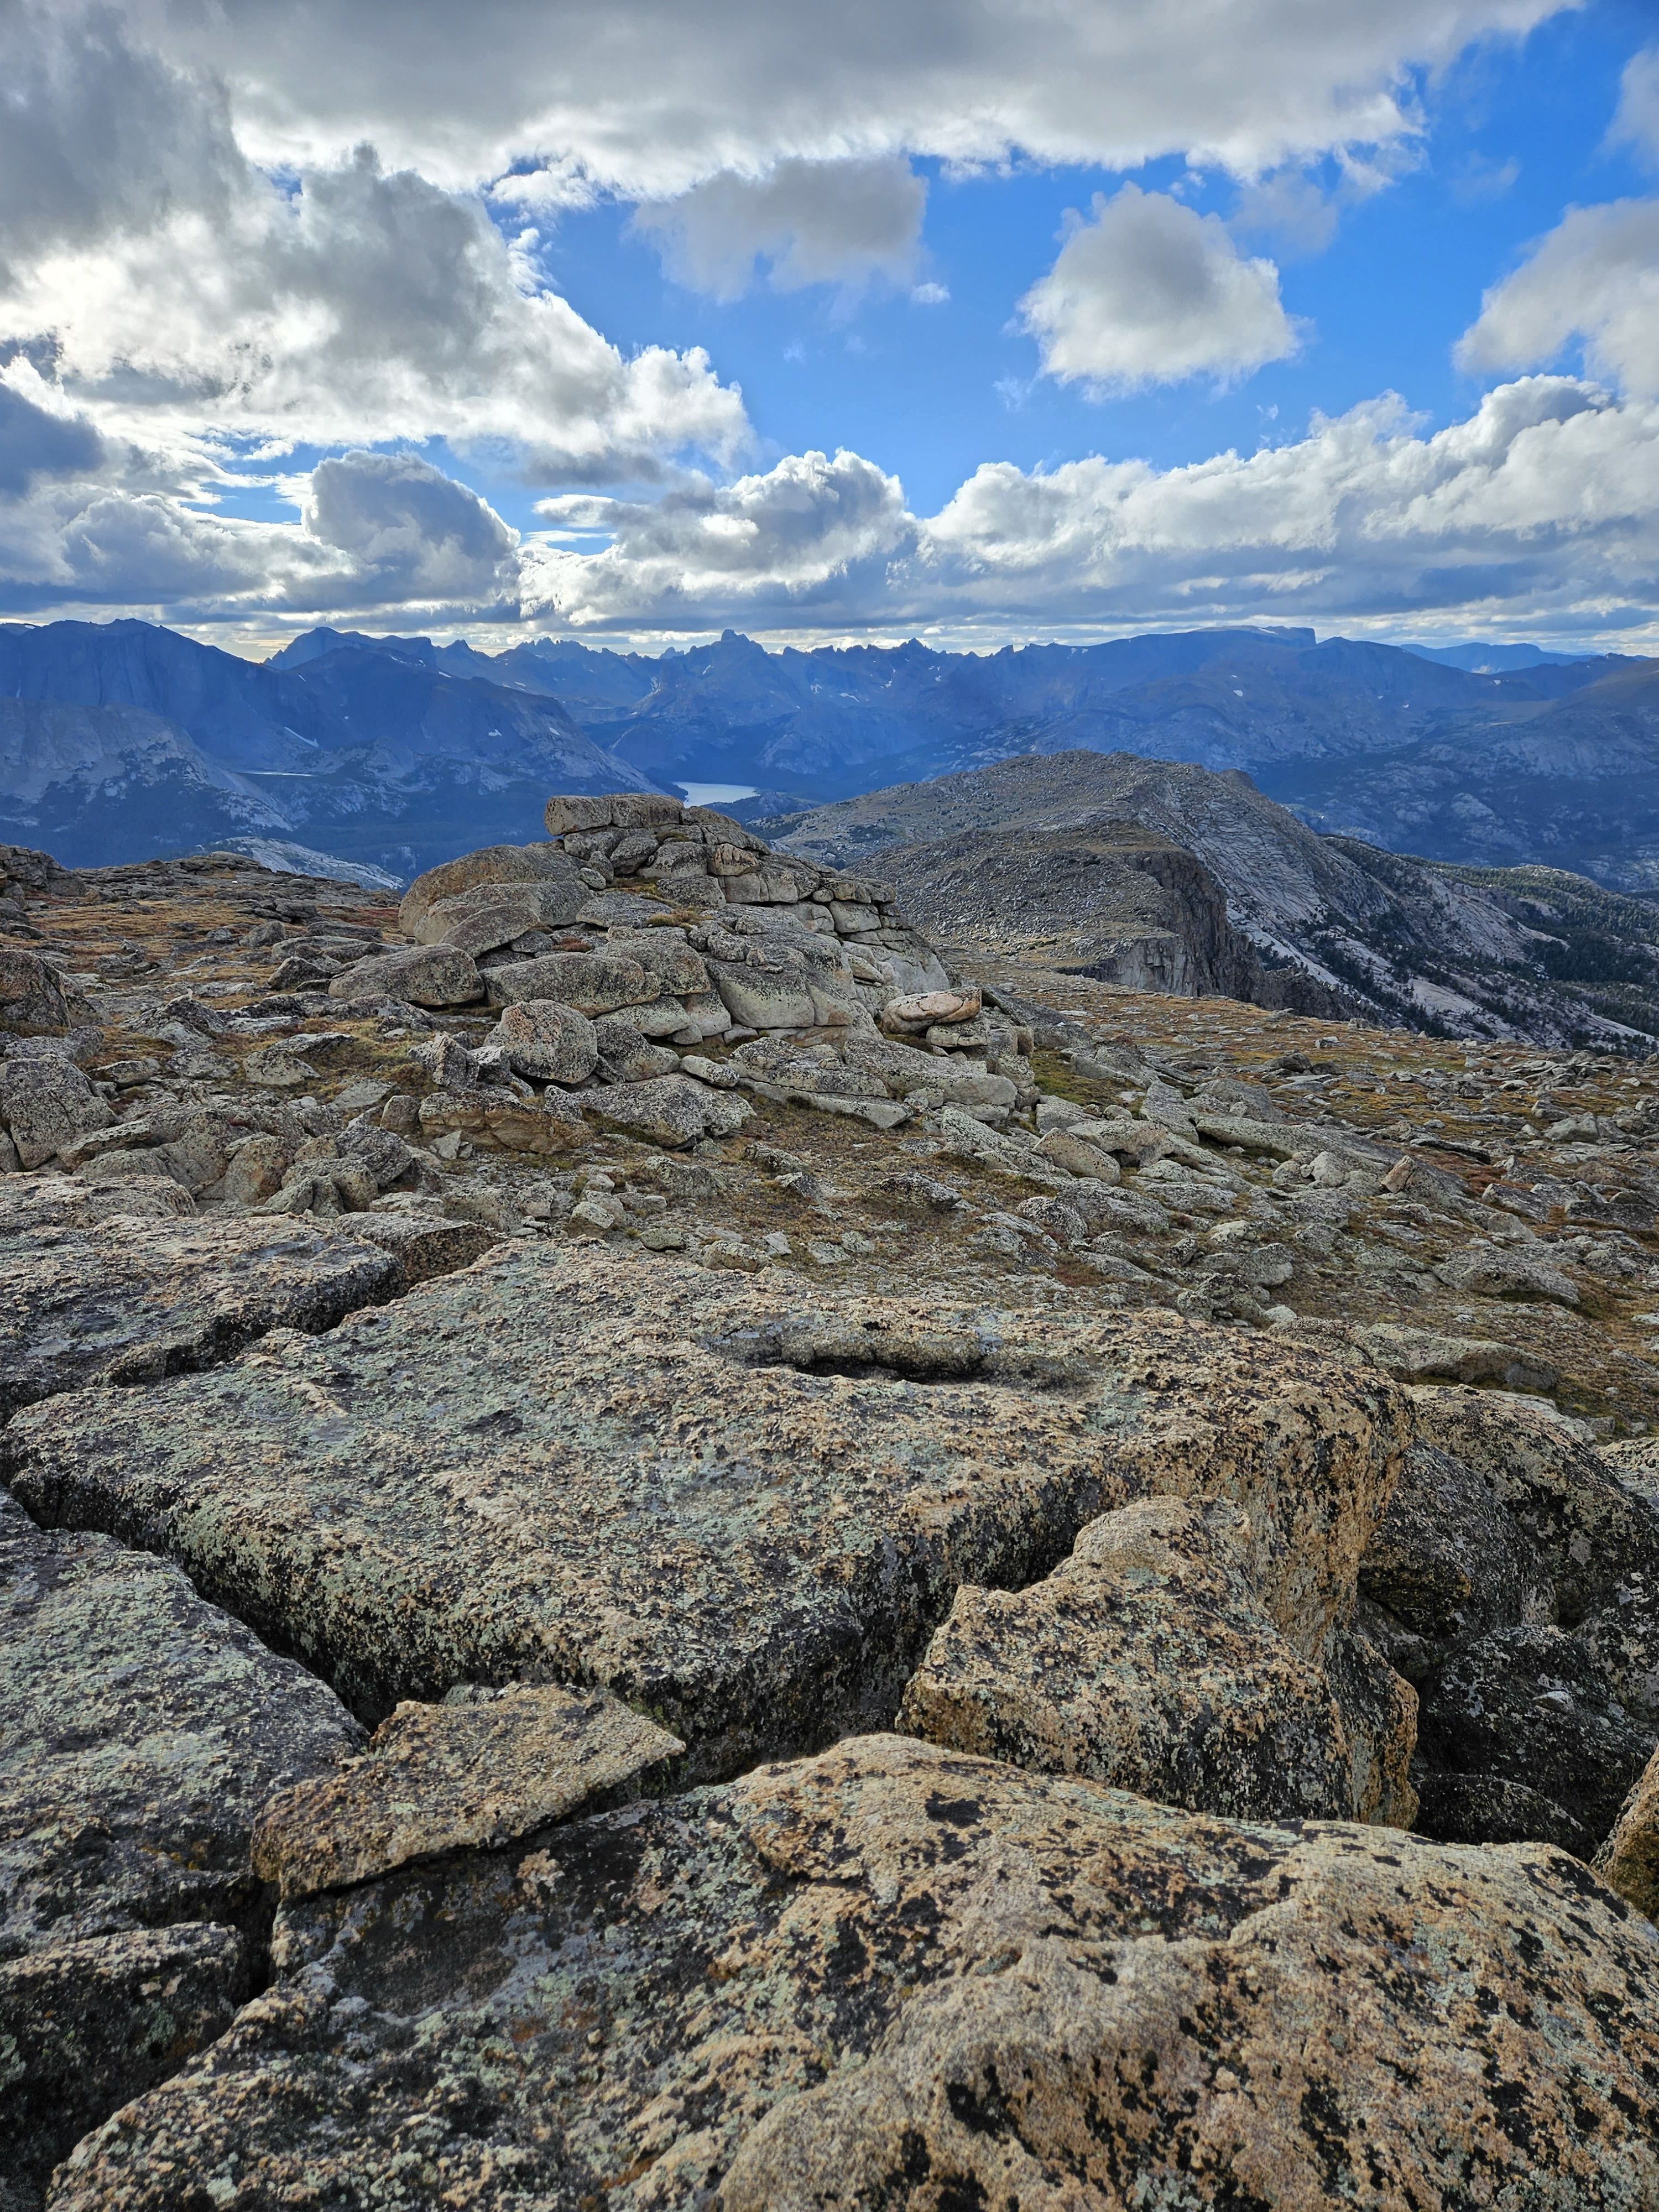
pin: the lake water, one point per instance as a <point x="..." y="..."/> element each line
<point x="716" y="795"/>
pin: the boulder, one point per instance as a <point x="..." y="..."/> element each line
<point x="1078" y="1155"/>
<point x="426" y="1244"/>
<point x="593" y="982"/>
<point x="668" y="1110"/>
<point x="621" y="810"/>
<point x="126" y="1301"/>
<point x="1628" y="1860"/>
<point x="492" y="915"/>
<point x="1424" y="1355"/>
<point x="548" y="1042"/>
<point x="33" y="997"/>
<point x="1486" y="1271"/>
<point x="1588" y="1530"/>
<point x="480" y="1770"/>
<point x="495" y="864"/>
<point x="1448" y="1561"/>
<point x="1146" y="1660"/>
<point x="1529" y="1705"/>
<point x="909" y="1015"/>
<point x="653" y="1481"/>
<point x="141" y="1730"/>
<point x="625" y="1055"/>
<point x="764" y="1000"/>
<point x="896" y="1976"/>
<point x="423" y="974"/>
<point x="45" y="1103"/>
<point x="58" y="1201"/>
<point x="499" y="1120"/>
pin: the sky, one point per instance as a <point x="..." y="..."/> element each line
<point x="975" y="321"/>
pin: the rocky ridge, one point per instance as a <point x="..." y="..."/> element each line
<point x="972" y="1586"/>
<point x="1060" y="859"/>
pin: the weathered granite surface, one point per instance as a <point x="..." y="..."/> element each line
<point x="744" y="1508"/>
<point x="126" y="1301"/>
<point x="896" y="1976"/>
<point x="1146" y="1660"/>
<point x="482" y="1768"/>
<point x="141" y="1731"/>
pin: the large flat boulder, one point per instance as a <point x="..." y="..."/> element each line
<point x="121" y="1300"/>
<point x="896" y="1976"/>
<point x="141" y="1731"/>
<point x="745" y="1518"/>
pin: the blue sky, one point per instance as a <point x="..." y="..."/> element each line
<point x="1021" y="318"/>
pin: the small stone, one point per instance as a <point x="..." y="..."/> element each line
<point x="599" y="1210"/>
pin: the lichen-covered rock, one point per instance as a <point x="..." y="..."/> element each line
<point x="745" y="1521"/>
<point x="32" y="994"/>
<point x="626" y="1056"/>
<point x="425" y="1245"/>
<point x="1146" y="1660"/>
<point x="492" y="915"/>
<point x="61" y="1202"/>
<point x="1490" y="1272"/>
<point x="1588" y="1529"/>
<point x="668" y="1110"/>
<point x="499" y="1120"/>
<point x="492" y="865"/>
<point x="895" y="1976"/>
<point x="594" y="983"/>
<point x="1628" y="1860"/>
<point x="550" y="1042"/>
<point x="45" y="1102"/>
<point x="1448" y="1560"/>
<point x="141" y="1730"/>
<point x="124" y="1301"/>
<point x="423" y="974"/>
<point x="1529" y="1705"/>
<point x="479" y="1770"/>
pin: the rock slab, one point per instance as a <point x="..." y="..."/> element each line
<point x="896" y="1976"/>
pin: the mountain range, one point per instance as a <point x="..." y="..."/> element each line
<point x="121" y="740"/>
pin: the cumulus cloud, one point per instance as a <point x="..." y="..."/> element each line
<point x="1637" y="123"/>
<point x="419" y="532"/>
<point x="343" y="303"/>
<point x="816" y="222"/>
<point x="1544" y="503"/>
<point x="1595" y="279"/>
<point x="812" y="533"/>
<point x="1150" y="292"/>
<point x="741" y="85"/>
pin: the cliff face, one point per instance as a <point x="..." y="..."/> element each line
<point x="1319" y="924"/>
<point x="1115" y="900"/>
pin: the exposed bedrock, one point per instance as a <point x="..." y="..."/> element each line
<point x="743" y="1518"/>
<point x="894" y="1975"/>
<point x="140" y="1732"/>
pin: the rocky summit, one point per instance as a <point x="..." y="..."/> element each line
<point x="664" y="1545"/>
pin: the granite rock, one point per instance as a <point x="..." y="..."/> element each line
<point x="479" y="1770"/>
<point x="423" y="974"/>
<point x="492" y="865"/>
<point x="1629" y="1859"/>
<point x="897" y="1975"/>
<point x="126" y="1301"/>
<point x="45" y="1102"/>
<point x="1146" y="1660"/>
<point x="547" y="1042"/>
<point x="745" y="1519"/>
<point x="141" y="1730"/>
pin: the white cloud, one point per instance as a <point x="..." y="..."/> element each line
<point x="1637" y="123"/>
<point x="419" y="532"/>
<point x="651" y="97"/>
<point x="1150" y="292"/>
<point x="1595" y="278"/>
<point x="1542" y="506"/>
<point x="342" y="305"/>
<point x="811" y="533"/>
<point x="815" y="223"/>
